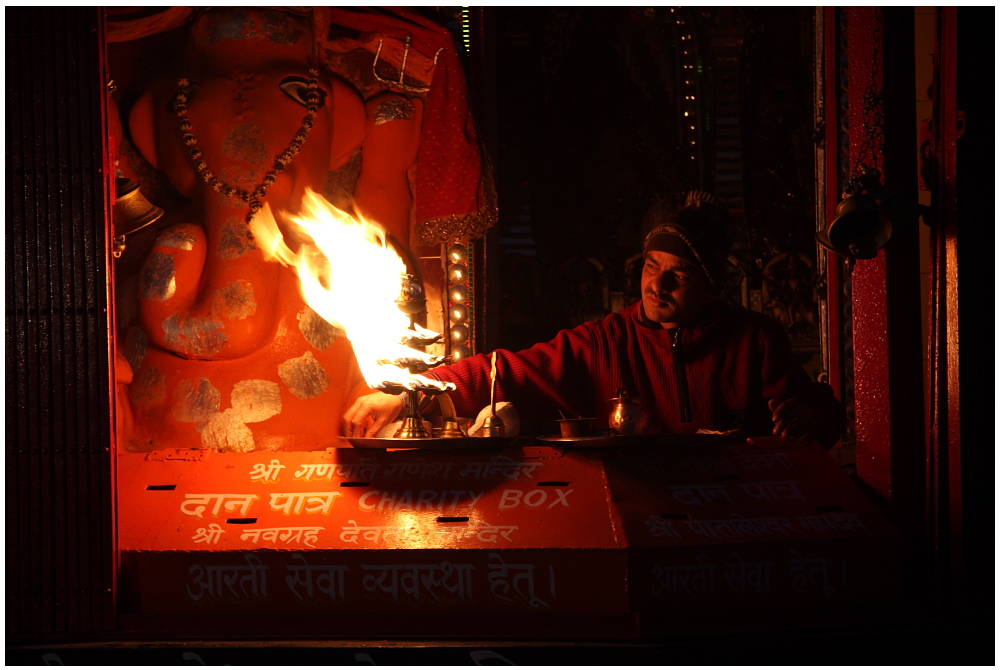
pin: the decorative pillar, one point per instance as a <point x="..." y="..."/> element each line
<point x="886" y="295"/>
<point x="958" y="167"/>
<point x="459" y="294"/>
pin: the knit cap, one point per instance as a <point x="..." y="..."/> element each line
<point x="700" y="232"/>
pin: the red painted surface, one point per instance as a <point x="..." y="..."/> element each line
<point x="733" y="536"/>
<point x="734" y="532"/>
<point x="364" y="499"/>
<point x="886" y="307"/>
<point x="111" y="195"/>
<point x="871" y="344"/>
<point x="415" y="581"/>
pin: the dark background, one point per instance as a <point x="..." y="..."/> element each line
<point x="587" y="131"/>
<point x="582" y="111"/>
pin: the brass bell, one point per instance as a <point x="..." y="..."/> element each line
<point x="860" y="226"/>
<point x="450" y="429"/>
<point x="132" y="212"/>
<point x="493" y="427"/>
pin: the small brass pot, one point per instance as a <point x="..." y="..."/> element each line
<point x="576" y="427"/>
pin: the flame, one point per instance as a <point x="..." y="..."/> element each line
<point x="350" y="276"/>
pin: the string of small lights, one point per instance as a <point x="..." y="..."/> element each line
<point x="459" y="301"/>
<point x="459" y="263"/>
<point x="690" y="70"/>
<point x="466" y="30"/>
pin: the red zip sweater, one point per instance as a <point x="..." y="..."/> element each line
<point x="718" y="376"/>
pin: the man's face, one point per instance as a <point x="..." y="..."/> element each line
<point x="674" y="291"/>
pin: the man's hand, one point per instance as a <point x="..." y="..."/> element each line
<point x="792" y="419"/>
<point x="370" y="413"/>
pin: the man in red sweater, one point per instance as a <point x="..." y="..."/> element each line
<point x="695" y="361"/>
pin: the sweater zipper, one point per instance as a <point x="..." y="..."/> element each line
<point x="680" y="378"/>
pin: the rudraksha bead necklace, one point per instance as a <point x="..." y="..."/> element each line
<point x="252" y="198"/>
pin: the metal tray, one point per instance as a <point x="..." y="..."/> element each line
<point x="433" y="443"/>
<point x="632" y="441"/>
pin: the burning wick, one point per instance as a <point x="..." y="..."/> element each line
<point x="336" y="254"/>
<point x="493" y="425"/>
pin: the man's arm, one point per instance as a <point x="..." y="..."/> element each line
<point x="800" y="407"/>
<point x="540" y="381"/>
<point x="793" y="418"/>
<point x="371" y="413"/>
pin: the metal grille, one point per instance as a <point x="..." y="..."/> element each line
<point x="59" y="482"/>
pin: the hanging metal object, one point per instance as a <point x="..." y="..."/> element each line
<point x="863" y="221"/>
<point x="132" y="212"/>
<point x="411" y="299"/>
<point x="861" y="225"/>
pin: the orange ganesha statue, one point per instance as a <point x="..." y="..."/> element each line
<point x="251" y="106"/>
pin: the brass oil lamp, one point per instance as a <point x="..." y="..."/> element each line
<point x="411" y="302"/>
